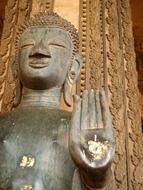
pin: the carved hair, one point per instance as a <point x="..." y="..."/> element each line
<point x="50" y="19"/>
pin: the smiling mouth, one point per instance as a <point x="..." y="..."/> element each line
<point x="39" y="63"/>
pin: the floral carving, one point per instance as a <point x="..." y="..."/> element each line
<point x="110" y="57"/>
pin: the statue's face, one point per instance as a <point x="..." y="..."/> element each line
<point x="44" y="57"/>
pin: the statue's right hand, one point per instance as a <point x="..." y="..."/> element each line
<point x="91" y="140"/>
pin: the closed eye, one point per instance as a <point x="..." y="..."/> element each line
<point x="57" y="45"/>
<point x="27" y="43"/>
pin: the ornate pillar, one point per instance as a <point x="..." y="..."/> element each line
<point x="109" y="62"/>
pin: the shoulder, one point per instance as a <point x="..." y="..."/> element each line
<point x="7" y="118"/>
<point x="57" y="114"/>
<point x="6" y="123"/>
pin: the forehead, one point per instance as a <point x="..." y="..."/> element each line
<point x="45" y="33"/>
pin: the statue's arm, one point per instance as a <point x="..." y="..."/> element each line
<point x="77" y="183"/>
<point x="91" y="140"/>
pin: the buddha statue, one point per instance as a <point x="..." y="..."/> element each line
<point x="43" y="147"/>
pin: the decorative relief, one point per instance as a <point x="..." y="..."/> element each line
<point x="42" y="5"/>
<point x="107" y="57"/>
<point x="96" y="44"/>
<point x="103" y="55"/>
<point x="91" y="44"/>
<point x="5" y="48"/>
<point x="116" y="88"/>
<point x="139" y="64"/>
<point x="24" y="10"/>
<point x="135" y="148"/>
<point x="16" y="12"/>
<point x="83" y="16"/>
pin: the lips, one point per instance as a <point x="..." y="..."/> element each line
<point x="39" y="63"/>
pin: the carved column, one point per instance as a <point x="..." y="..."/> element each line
<point x="109" y="62"/>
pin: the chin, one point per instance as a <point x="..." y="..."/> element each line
<point x="42" y="80"/>
<point x="41" y="84"/>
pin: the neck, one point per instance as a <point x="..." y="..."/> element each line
<point x="41" y="98"/>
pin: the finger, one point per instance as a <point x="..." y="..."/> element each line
<point x="84" y="111"/>
<point x="75" y="148"/>
<point x="74" y="138"/>
<point x="105" y="109"/>
<point x="107" y="119"/>
<point x="92" y="110"/>
<point x="75" y="122"/>
<point x="98" y="110"/>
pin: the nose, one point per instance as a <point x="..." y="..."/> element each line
<point x="40" y="50"/>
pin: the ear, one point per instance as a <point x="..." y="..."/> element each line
<point x="18" y="94"/>
<point x="71" y="78"/>
<point x="13" y="67"/>
<point x="18" y="83"/>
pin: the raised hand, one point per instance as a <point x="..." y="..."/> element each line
<point x="91" y="140"/>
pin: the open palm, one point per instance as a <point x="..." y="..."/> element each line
<point x="91" y="140"/>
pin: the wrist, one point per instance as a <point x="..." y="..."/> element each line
<point x="96" y="182"/>
<point x="93" y="188"/>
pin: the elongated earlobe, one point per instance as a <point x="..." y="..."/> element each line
<point x="68" y="92"/>
<point x="71" y="79"/>
<point x="14" y="68"/>
<point x="18" y="94"/>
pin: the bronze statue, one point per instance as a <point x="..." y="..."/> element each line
<point x="41" y="146"/>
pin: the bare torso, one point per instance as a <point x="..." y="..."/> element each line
<point x="34" y="150"/>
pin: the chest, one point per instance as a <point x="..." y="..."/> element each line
<point x="37" y="157"/>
